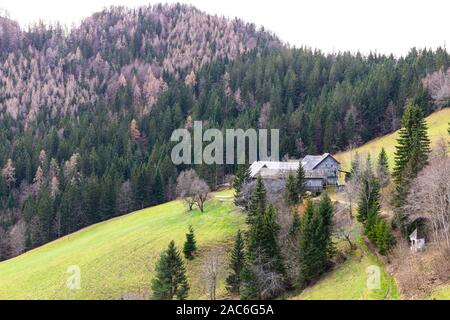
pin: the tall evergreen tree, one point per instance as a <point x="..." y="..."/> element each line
<point x="369" y="193"/>
<point x="325" y="211"/>
<point x="301" y="181"/>
<point x="263" y="237"/>
<point x="242" y="176"/>
<point x="190" y="246"/>
<point x="249" y="287"/>
<point x="291" y="194"/>
<point x="258" y="201"/>
<point x="307" y="249"/>
<point x="411" y="155"/>
<point x="315" y="243"/>
<point x="236" y="264"/>
<point x="384" y="238"/>
<point x="263" y="250"/>
<point x="383" y="168"/>
<point x="170" y="279"/>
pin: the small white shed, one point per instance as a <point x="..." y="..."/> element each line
<point x="417" y="241"/>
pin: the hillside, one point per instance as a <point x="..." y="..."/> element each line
<point x="437" y="128"/>
<point x="87" y="113"/>
<point x="118" y="256"/>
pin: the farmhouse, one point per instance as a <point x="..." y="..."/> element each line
<point x="320" y="171"/>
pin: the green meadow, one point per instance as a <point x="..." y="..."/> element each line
<point x="117" y="257"/>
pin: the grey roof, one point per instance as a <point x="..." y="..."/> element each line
<point x="311" y="162"/>
<point x="272" y="168"/>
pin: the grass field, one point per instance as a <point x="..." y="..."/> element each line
<point x="118" y="256"/>
<point x="437" y="123"/>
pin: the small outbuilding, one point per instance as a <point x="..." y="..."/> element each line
<point x="417" y="240"/>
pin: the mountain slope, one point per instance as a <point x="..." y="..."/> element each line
<point x="437" y="128"/>
<point x="117" y="257"/>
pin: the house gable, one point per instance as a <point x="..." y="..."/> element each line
<point x="326" y="162"/>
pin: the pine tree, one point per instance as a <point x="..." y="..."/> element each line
<point x="325" y="211"/>
<point x="291" y="194"/>
<point x="411" y="156"/>
<point x="249" y="287"/>
<point x="236" y="264"/>
<point x="263" y="253"/>
<point x="263" y="238"/>
<point x="157" y="191"/>
<point x="301" y="182"/>
<point x="170" y="279"/>
<point x="370" y="225"/>
<point x="258" y="201"/>
<point x="307" y="250"/>
<point x="242" y="176"/>
<point x="384" y="238"/>
<point x="369" y="194"/>
<point x="190" y="246"/>
<point x="315" y="243"/>
<point x="383" y="168"/>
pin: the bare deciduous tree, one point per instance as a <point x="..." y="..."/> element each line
<point x="17" y="238"/>
<point x="438" y="85"/>
<point x="429" y="198"/>
<point x="270" y="283"/>
<point x="183" y="189"/>
<point x="200" y="190"/>
<point x="213" y="268"/>
<point x="192" y="189"/>
<point x="343" y="225"/>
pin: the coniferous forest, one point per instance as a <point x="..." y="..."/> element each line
<point x="86" y="114"/>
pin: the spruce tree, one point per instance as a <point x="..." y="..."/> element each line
<point x="258" y="201"/>
<point x="236" y="264"/>
<point x="190" y="246"/>
<point x="263" y="238"/>
<point x="170" y="279"/>
<point x="411" y="156"/>
<point x="355" y="166"/>
<point x="325" y="211"/>
<point x="301" y="182"/>
<point x="384" y="238"/>
<point x="370" y="225"/>
<point x="242" y="176"/>
<point x="263" y="250"/>
<point x="291" y="194"/>
<point x="315" y="243"/>
<point x="383" y="168"/>
<point x="249" y="287"/>
<point x="369" y="193"/>
<point x="307" y="249"/>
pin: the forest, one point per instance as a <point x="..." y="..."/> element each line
<point x="86" y="114"/>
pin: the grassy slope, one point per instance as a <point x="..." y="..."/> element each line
<point x="349" y="280"/>
<point x="118" y="255"/>
<point x="437" y="122"/>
